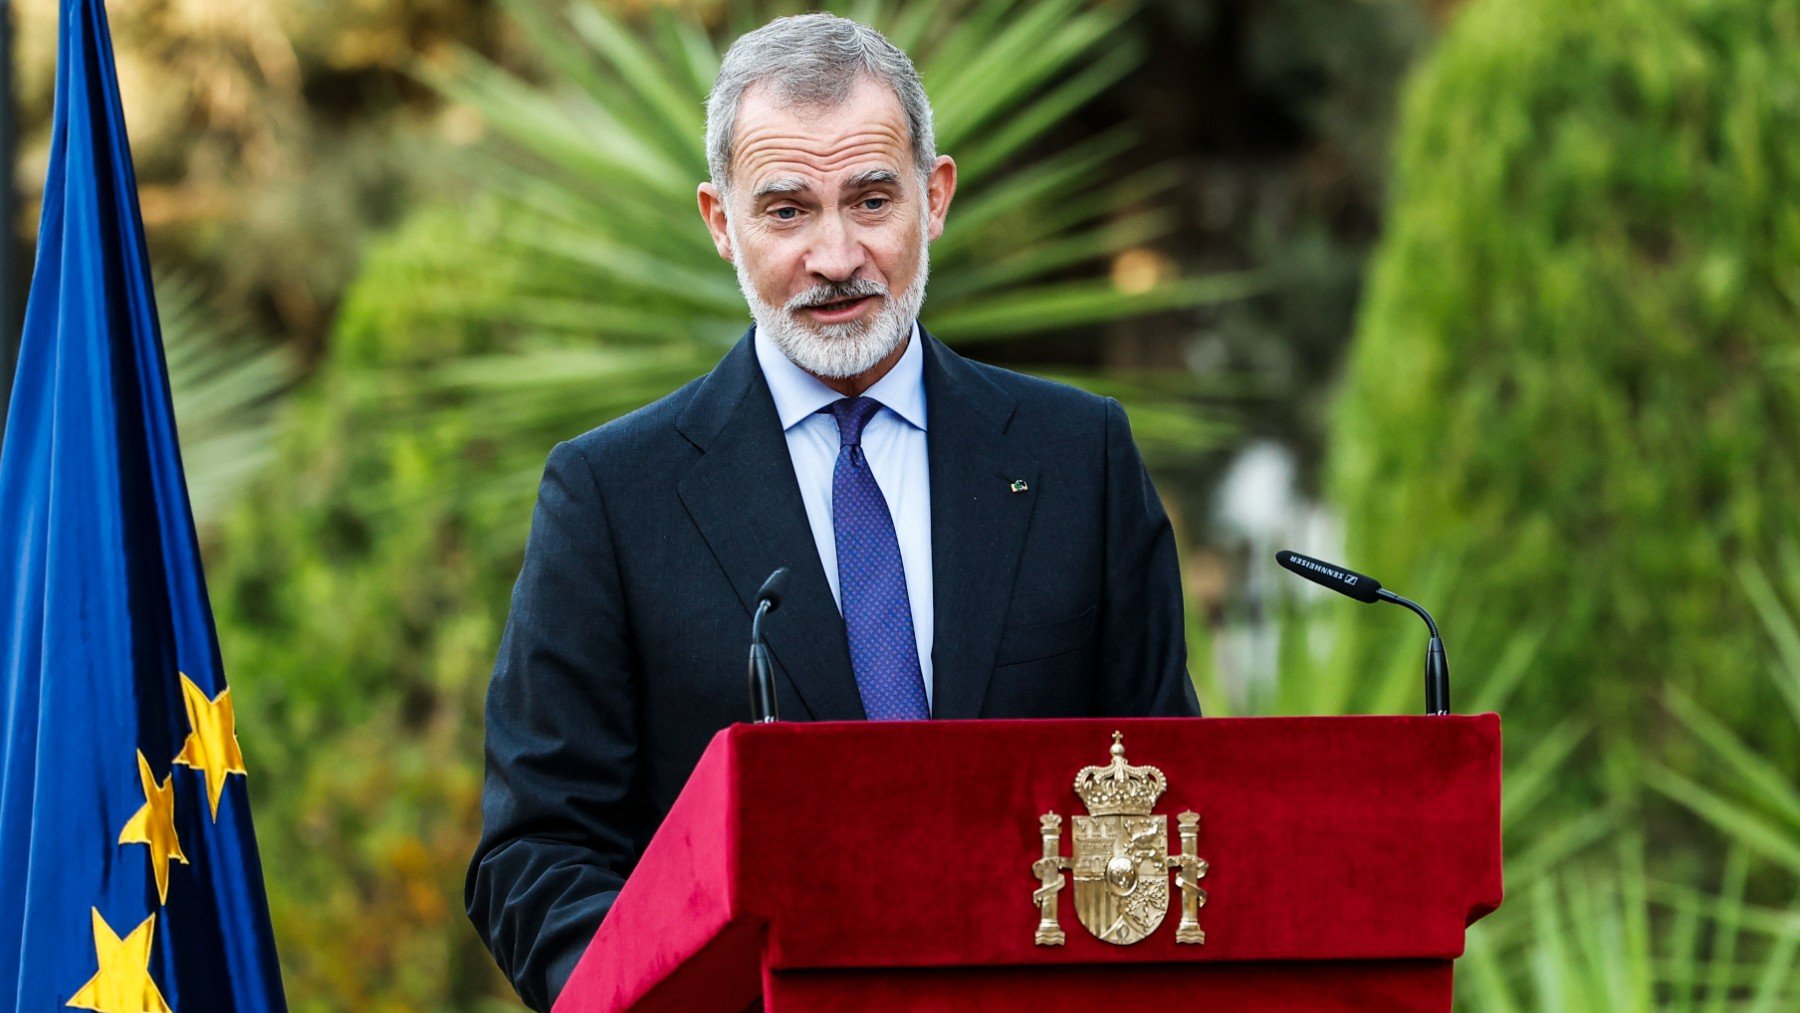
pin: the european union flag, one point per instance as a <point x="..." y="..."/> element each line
<point x="129" y="879"/>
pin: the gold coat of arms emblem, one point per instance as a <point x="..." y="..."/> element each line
<point x="1121" y="861"/>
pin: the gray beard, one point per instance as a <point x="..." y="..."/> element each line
<point x="841" y="350"/>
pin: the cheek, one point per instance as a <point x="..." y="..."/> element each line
<point x="898" y="254"/>
<point x="772" y="266"/>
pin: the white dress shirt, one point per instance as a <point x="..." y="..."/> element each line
<point x="893" y="442"/>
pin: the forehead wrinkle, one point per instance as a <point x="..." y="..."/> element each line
<point x="864" y="130"/>
<point x="762" y="149"/>
<point x="779" y="168"/>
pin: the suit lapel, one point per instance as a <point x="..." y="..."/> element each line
<point x="744" y="498"/>
<point x="978" y="525"/>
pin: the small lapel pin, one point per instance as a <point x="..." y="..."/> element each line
<point x="1018" y="485"/>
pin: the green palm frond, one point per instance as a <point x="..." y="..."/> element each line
<point x="1604" y="935"/>
<point x="1754" y="801"/>
<point x="593" y="173"/>
<point x="225" y="388"/>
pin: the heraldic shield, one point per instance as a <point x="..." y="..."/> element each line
<point x="1121" y="868"/>
<point x="1121" y="861"/>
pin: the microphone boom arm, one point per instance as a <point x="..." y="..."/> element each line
<point x="1437" y="666"/>
<point x="762" y="677"/>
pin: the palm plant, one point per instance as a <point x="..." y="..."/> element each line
<point x="613" y="292"/>
<point x="1623" y="937"/>
<point x="1612" y="937"/>
<point x="225" y="388"/>
<point x="1757" y="802"/>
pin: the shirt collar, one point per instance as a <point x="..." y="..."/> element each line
<point x="798" y="394"/>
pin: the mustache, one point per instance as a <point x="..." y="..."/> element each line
<point x="835" y="291"/>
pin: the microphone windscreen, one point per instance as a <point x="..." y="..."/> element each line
<point x="1356" y="585"/>
<point x="773" y="588"/>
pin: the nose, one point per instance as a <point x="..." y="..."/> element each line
<point x="836" y="254"/>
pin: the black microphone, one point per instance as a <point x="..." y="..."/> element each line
<point x="1356" y="585"/>
<point x="762" y="680"/>
<point x="1367" y="589"/>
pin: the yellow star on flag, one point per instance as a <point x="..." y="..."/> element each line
<point x="154" y="825"/>
<point x="212" y="746"/>
<point x="123" y="983"/>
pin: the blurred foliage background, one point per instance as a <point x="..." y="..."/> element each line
<point x="1496" y="299"/>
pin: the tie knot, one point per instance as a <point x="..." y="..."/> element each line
<point x="852" y="413"/>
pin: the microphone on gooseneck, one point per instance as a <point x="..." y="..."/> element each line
<point x="762" y="679"/>
<point x="1367" y="589"/>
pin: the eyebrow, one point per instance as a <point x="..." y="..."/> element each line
<point x="873" y="177"/>
<point x="782" y="185"/>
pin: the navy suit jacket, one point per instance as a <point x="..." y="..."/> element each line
<point x="625" y="649"/>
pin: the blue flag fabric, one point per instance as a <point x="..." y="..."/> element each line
<point x="129" y="878"/>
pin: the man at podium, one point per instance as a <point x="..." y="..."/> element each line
<point x="963" y="541"/>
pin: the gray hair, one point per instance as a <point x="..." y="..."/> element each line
<point x="813" y="60"/>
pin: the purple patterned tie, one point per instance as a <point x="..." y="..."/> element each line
<point x="871" y="578"/>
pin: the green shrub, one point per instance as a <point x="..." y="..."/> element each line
<point x="1572" y="387"/>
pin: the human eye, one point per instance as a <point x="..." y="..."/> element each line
<point x="874" y="203"/>
<point x="785" y="213"/>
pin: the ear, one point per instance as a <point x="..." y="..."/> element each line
<point x="712" y="211"/>
<point x="940" y="187"/>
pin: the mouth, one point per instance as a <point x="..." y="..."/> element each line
<point x="842" y="310"/>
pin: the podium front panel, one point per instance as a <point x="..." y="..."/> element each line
<point x="859" y="849"/>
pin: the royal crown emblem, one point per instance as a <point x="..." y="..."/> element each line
<point x="1121" y="858"/>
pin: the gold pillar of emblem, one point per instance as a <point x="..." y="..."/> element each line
<point x="1048" y="870"/>
<point x="1189" y="868"/>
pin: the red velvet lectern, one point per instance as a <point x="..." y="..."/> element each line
<point x="889" y="866"/>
